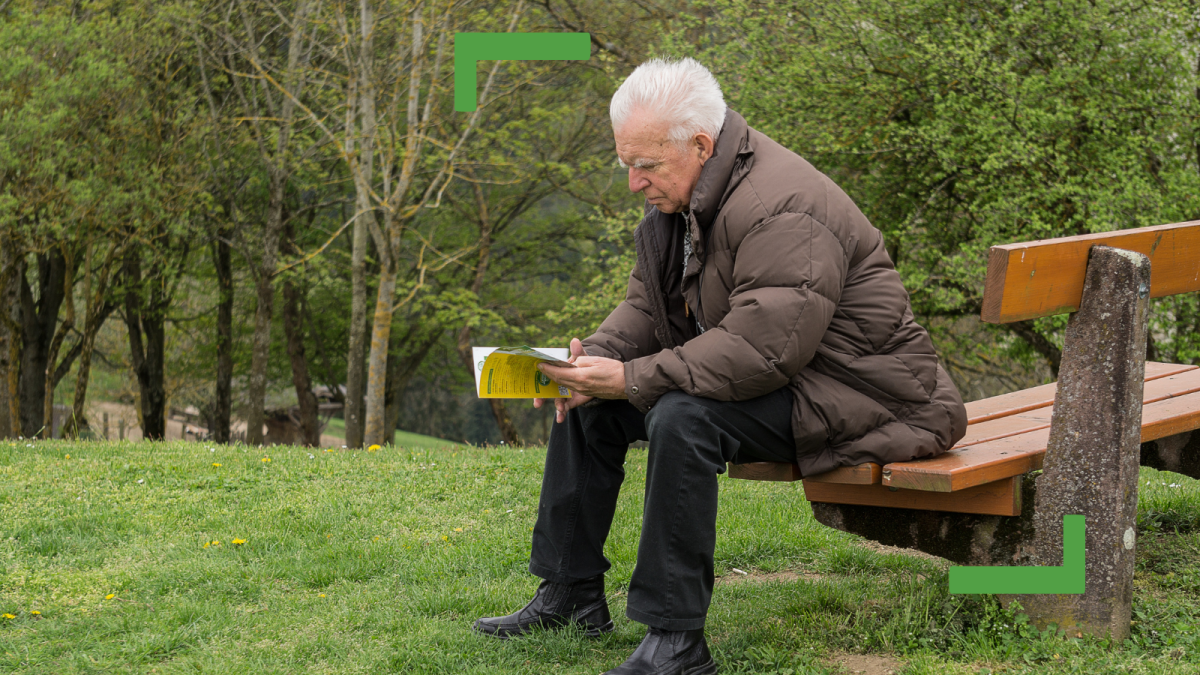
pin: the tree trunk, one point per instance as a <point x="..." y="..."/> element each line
<point x="95" y="318"/>
<point x="356" y="358"/>
<point x="219" y="423"/>
<point x="293" y="328"/>
<point x="265" y="291"/>
<point x="39" y="319"/>
<point x="145" y="322"/>
<point x="377" y="368"/>
<point x="508" y="430"/>
<point x="12" y="269"/>
<point x="154" y="391"/>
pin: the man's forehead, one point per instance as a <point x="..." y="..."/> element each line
<point x="642" y="140"/>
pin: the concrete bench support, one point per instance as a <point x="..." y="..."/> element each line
<point x="966" y="539"/>
<point x="962" y="538"/>
<point x="1091" y="463"/>
<point x="1179" y="453"/>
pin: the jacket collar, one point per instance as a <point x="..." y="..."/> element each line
<point x="718" y="172"/>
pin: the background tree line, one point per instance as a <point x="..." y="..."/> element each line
<point x="231" y="204"/>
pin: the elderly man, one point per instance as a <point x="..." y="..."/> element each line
<point x="764" y="321"/>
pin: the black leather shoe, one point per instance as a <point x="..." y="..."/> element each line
<point x="554" y="606"/>
<point x="669" y="652"/>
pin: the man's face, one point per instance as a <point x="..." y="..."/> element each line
<point x="663" y="172"/>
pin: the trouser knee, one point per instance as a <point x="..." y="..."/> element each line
<point x="678" y="414"/>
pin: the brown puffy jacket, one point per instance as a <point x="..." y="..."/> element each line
<point x="793" y="288"/>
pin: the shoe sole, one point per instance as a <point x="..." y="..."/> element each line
<point x="600" y="631"/>
<point x="709" y="668"/>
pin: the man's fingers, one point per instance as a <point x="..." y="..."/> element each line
<point x="559" y="375"/>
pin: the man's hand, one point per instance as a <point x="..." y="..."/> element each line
<point x="592" y="377"/>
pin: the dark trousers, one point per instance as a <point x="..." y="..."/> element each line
<point x="691" y="439"/>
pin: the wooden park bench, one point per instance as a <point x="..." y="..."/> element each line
<point x="984" y="502"/>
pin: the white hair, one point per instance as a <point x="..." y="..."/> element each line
<point x="681" y="92"/>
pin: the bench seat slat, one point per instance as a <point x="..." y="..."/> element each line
<point x="1160" y="387"/>
<point x="863" y="474"/>
<point x="999" y="498"/>
<point x="772" y="471"/>
<point x="1014" y="455"/>
<point x="1002" y="416"/>
<point x="1039" y="397"/>
<point x="1171" y="416"/>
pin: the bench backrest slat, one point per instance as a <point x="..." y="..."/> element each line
<point x="1043" y="278"/>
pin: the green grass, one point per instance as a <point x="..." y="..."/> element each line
<point x="379" y="562"/>
<point x="406" y="439"/>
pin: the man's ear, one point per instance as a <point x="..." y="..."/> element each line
<point x="703" y="146"/>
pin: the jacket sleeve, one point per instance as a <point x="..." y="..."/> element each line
<point x="788" y="274"/>
<point x="628" y="332"/>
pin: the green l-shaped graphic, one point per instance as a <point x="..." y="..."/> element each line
<point x="472" y="47"/>
<point x="1067" y="579"/>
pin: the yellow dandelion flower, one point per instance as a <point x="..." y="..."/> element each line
<point x="487" y="510"/>
<point x="216" y="465"/>
<point x="320" y="595"/>
<point x="445" y="538"/>
<point x="373" y="448"/>
<point x="35" y="613"/>
<point x="68" y="457"/>
<point x="206" y="545"/>
<point x="458" y="529"/>
<point x="376" y="538"/>
<point x="266" y="459"/>
<point x="110" y="596"/>
<point x="10" y="616"/>
<point x="238" y="542"/>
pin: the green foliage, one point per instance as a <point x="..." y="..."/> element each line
<point x="612" y="261"/>
<point x="68" y="105"/>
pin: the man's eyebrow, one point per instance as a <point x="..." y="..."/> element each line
<point x="639" y="163"/>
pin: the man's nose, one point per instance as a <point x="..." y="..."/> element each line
<point x="637" y="181"/>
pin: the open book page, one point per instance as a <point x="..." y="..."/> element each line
<point x="511" y="372"/>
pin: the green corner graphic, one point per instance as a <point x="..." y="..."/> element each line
<point x="472" y="47"/>
<point x="1067" y="579"/>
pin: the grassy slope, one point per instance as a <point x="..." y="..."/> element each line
<point x="407" y="439"/>
<point x="376" y="562"/>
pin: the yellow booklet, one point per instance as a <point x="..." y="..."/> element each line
<point x="511" y="372"/>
